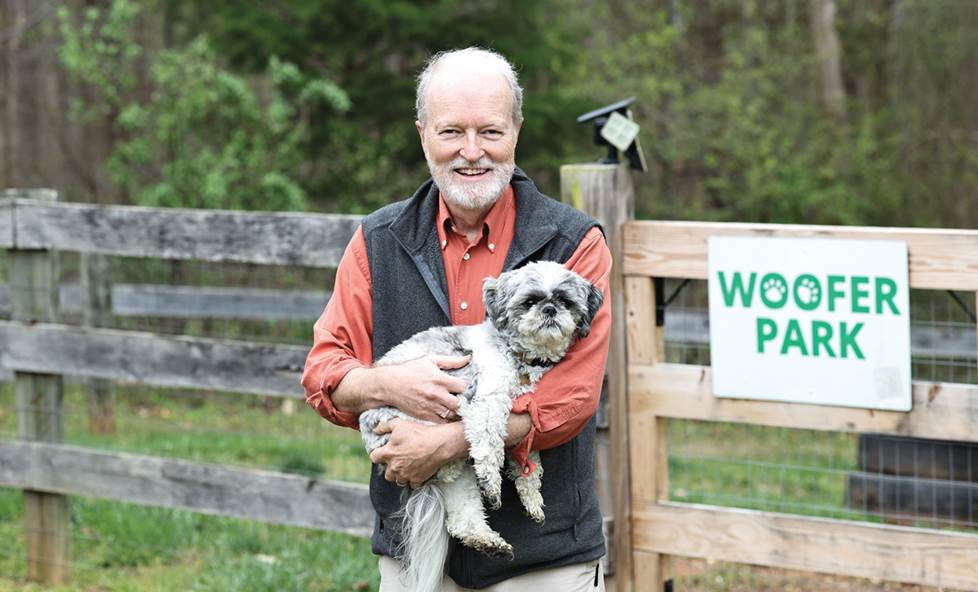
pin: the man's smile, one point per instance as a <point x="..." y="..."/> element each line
<point x="472" y="172"/>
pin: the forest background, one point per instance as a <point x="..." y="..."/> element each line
<point x="809" y="111"/>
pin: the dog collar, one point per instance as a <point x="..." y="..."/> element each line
<point x="538" y="362"/>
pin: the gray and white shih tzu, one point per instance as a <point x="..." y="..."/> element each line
<point x="533" y="315"/>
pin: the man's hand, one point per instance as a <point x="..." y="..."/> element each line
<point x="415" y="451"/>
<point x="423" y="390"/>
<point x="419" y="388"/>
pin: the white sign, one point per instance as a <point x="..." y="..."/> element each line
<point x="820" y="321"/>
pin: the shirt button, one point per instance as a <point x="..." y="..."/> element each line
<point x="465" y="257"/>
<point x="464" y="306"/>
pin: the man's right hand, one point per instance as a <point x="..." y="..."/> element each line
<point x="422" y="389"/>
<point x="419" y="388"/>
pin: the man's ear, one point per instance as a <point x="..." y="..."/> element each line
<point x="420" y="128"/>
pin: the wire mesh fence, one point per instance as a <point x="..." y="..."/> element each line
<point x="697" y="575"/>
<point x="864" y="477"/>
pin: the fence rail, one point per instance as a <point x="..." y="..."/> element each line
<point x="939" y="259"/>
<point x="267" y="496"/>
<point x="147" y="358"/>
<point x="269" y="238"/>
<point x="944" y="411"/>
<point x="877" y="551"/>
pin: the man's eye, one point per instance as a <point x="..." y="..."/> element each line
<point x="448" y="132"/>
<point x="493" y="133"/>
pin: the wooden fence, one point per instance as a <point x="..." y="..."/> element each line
<point x="40" y="350"/>
<point x="659" y="391"/>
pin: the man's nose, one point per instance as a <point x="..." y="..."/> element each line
<point x="471" y="149"/>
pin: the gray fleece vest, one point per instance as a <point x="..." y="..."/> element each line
<point x="410" y="294"/>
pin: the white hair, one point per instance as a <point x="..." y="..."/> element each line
<point x="472" y="56"/>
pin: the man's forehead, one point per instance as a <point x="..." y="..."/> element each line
<point x="467" y="85"/>
<point x="457" y="78"/>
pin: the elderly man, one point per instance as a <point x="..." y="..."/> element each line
<point x="420" y="263"/>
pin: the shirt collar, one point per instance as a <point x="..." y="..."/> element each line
<point x="492" y="227"/>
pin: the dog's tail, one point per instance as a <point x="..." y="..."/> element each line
<point x="424" y="539"/>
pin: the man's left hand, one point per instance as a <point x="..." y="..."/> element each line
<point x="415" y="451"/>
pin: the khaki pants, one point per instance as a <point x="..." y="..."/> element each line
<point x="582" y="577"/>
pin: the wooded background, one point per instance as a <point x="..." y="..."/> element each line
<point x="810" y="111"/>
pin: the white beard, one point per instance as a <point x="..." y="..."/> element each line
<point x="471" y="196"/>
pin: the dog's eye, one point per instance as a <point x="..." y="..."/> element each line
<point x="530" y="302"/>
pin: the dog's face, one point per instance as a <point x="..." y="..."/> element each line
<point x="541" y="307"/>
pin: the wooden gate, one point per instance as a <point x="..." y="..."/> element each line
<point x="659" y="391"/>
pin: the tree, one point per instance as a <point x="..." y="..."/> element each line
<point x="202" y="136"/>
<point x="374" y="49"/>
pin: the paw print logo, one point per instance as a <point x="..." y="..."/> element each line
<point x="808" y="292"/>
<point x="774" y="290"/>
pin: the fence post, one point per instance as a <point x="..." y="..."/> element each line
<point x="96" y="287"/>
<point x="650" y="477"/>
<point x="605" y="191"/>
<point x="34" y="298"/>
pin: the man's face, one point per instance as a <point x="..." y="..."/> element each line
<point x="469" y="138"/>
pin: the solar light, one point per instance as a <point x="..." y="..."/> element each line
<point x="614" y="128"/>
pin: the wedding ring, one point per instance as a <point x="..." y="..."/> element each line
<point x="444" y="414"/>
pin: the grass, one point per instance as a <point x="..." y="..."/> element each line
<point x="124" y="547"/>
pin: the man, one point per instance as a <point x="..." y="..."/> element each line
<point x="420" y="263"/>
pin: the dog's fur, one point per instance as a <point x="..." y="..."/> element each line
<point x="533" y="316"/>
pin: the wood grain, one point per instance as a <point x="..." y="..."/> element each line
<point x="40" y="412"/>
<point x="275" y="238"/>
<point x="266" y="496"/>
<point x="649" y="467"/>
<point x="941" y="411"/>
<point x="146" y="358"/>
<point x="894" y="553"/>
<point x="939" y="259"/>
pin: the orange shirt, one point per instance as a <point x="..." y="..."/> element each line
<point x="565" y="398"/>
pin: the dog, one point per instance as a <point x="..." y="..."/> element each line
<point x="533" y="316"/>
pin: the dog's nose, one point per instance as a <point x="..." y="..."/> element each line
<point x="550" y="310"/>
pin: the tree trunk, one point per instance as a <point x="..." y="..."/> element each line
<point x="832" y="94"/>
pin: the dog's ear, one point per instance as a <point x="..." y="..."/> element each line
<point x="594" y="300"/>
<point x="495" y="307"/>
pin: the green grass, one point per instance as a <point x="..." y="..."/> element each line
<point x="123" y="547"/>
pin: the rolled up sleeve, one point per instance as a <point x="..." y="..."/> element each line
<point x="341" y="335"/>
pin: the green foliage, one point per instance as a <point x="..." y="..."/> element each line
<point x="200" y="136"/>
<point x="373" y="50"/>
<point x="727" y="96"/>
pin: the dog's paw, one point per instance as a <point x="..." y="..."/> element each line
<point x="495" y="501"/>
<point x="495" y="547"/>
<point x="504" y="552"/>
<point x="536" y="514"/>
<point x="492" y="487"/>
